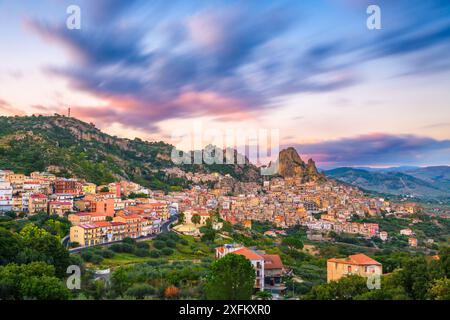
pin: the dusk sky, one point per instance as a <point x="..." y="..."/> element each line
<point x="337" y="91"/>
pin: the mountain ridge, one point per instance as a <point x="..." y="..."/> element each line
<point x="71" y="147"/>
<point x="413" y="182"/>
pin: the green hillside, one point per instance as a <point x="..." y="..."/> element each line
<point x="70" y="147"/>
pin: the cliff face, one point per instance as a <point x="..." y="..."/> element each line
<point x="290" y="164"/>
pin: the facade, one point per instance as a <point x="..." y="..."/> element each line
<point x="67" y="186"/>
<point x="37" y="203"/>
<point x="6" y="196"/>
<point x="104" y="206"/>
<point x="59" y="207"/>
<point x="412" y="242"/>
<point x="203" y="213"/>
<point x="358" y="264"/>
<point x="85" y="217"/>
<point x="383" y="235"/>
<point x="133" y="225"/>
<point x="90" y="234"/>
<point x="273" y="272"/>
<point x="89" y="188"/>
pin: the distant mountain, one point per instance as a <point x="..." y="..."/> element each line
<point x="437" y="175"/>
<point x="290" y="164"/>
<point x="390" y="169"/>
<point x="70" y="147"/>
<point x="421" y="182"/>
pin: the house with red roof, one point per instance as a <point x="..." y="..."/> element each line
<point x="358" y="264"/>
<point x="268" y="267"/>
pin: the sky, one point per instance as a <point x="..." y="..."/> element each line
<point x="335" y="90"/>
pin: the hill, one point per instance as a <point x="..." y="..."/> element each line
<point x="70" y="147"/>
<point x="420" y="183"/>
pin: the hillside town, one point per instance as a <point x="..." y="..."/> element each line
<point x="112" y="212"/>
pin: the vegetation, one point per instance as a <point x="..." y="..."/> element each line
<point x="71" y="147"/>
<point x="231" y="278"/>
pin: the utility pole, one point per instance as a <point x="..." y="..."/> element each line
<point x="68" y="112"/>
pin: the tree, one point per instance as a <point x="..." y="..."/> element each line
<point x="35" y="280"/>
<point x="444" y="259"/>
<point x="104" y="189"/>
<point x="120" y="281"/>
<point x="292" y="243"/>
<point x="440" y="289"/>
<point x="414" y="277"/>
<point x="98" y="289"/>
<point x="231" y="278"/>
<point x="264" y="295"/>
<point x="11" y="214"/>
<point x="209" y="235"/>
<point x="343" y="289"/>
<point x="40" y="245"/>
<point x="195" y="219"/>
<point x="10" y="246"/>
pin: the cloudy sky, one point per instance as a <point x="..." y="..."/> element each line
<point x="337" y="91"/>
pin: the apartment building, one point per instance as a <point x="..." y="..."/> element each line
<point x="358" y="264"/>
<point x="85" y="217"/>
<point x="90" y="234"/>
<point x="6" y="196"/>
<point x="37" y="202"/>
<point x="133" y="224"/>
<point x="67" y="186"/>
<point x="59" y="207"/>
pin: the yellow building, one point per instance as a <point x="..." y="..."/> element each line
<point x="89" y="188"/>
<point x="358" y="264"/>
<point x="37" y="203"/>
<point x="89" y="234"/>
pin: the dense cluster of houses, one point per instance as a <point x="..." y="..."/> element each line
<point x="321" y="207"/>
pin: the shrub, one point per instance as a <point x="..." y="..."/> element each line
<point x="124" y="247"/>
<point x="167" y="251"/>
<point x="141" y="252"/>
<point x="129" y="240"/>
<point x="171" y="243"/>
<point x="117" y="247"/>
<point x="140" y="290"/>
<point x="96" y="258"/>
<point x="142" y="245"/>
<point x="107" y="253"/>
<point x="155" y="254"/>
<point x="86" y="255"/>
<point x="158" y="244"/>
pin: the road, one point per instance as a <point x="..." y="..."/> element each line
<point x="165" y="227"/>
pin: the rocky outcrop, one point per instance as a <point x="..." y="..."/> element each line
<point x="290" y="164"/>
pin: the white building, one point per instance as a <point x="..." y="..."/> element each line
<point x="383" y="235"/>
<point x="406" y="232"/>
<point x="6" y="192"/>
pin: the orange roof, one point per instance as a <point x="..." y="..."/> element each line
<point x="272" y="261"/>
<point x="102" y="224"/>
<point x="249" y="254"/>
<point x="220" y="249"/>
<point x="356" y="259"/>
